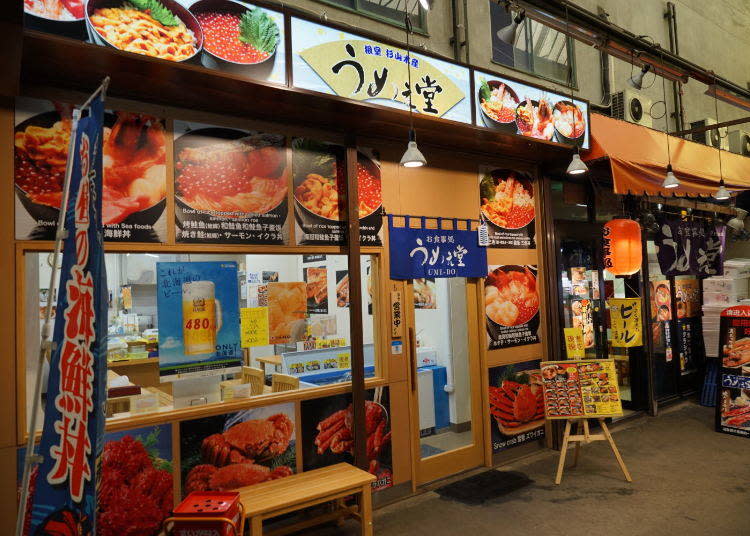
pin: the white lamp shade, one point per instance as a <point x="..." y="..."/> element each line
<point x="413" y="157"/>
<point x="722" y="193"/>
<point x="577" y="166"/>
<point x="508" y="34"/>
<point x="670" y="181"/>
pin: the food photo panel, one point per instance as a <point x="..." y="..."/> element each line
<point x="511" y="302"/>
<point x="507" y="207"/>
<point x="230" y="185"/>
<point x="134" y="169"/>
<point x="235" y="37"/>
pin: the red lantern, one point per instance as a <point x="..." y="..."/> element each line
<point x="622" y="247"/>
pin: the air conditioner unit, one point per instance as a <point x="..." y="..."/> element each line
<point x="715" y="138"/>
<point x="633" y="107"/>
<point x="739" y="142"/>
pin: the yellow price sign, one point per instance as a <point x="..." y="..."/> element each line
<point x="574" y="344"/>
<point x="254" y="326"/>
<point x="344" y="360"/>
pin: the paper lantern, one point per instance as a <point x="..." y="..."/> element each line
<point x="622" y="247"/>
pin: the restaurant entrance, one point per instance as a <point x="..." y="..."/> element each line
<point x="444" y="381"/>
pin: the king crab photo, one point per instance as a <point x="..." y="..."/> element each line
<point x="230" y="458"/>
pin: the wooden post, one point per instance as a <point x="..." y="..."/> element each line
<point x="355" y="306"/>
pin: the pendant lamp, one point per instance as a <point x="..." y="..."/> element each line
<point x="413" y="157"/>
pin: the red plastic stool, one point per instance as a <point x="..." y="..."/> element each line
<point x="207" y="513"/>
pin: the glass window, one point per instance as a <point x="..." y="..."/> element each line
<point x="192" y="329"/>
<point x="570" y="201"/>
<point x="391" y="11"/>
<point x="537" y="48"/>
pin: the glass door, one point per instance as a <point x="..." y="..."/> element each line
<point x="446" y="400"/>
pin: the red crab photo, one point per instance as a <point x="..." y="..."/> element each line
<point x="516" y="404"/>
<point x="328" y="438"/>
<point x="230" y="451"/>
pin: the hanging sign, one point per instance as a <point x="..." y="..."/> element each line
<point x="574" y="346"/>
<point x="397" y="321"/>
<point x="690" y="248"/>
<point x="65" y="483"/>
<point x="625" y="316"/>
<point x="339" y="63"/>
<point x="254" y="326"/>
<point x="622" y="246"/>
<point x="733" y="393"/>
<point x="431" y="253"/>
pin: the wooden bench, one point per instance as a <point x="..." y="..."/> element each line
<point x="328" y="484"/>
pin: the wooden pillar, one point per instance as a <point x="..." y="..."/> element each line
<point x="355" y="305"/>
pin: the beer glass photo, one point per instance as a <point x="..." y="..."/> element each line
<point x="201" y="317"/>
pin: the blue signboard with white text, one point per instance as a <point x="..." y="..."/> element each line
<point x="199" y="329"/>
<point x="422" y="252"/>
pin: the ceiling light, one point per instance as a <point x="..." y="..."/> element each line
<point x="508" y="34"/>
<point x="425" y="4"/>
<point x="413" y="157"/>
<point x="637" y="80"/>
<point x="670" y="181"/>
<point x="577" y="166"/>
<point x="722" y="194"/>
<point x="738" y="221"/>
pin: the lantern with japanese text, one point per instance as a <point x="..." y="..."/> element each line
<point x="622" y="247"/>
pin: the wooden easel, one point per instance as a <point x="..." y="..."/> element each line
<point x="586" y="438"/>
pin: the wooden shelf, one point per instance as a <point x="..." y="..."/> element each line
<point x="133" y="362"/>
<point x="54" y="61"/>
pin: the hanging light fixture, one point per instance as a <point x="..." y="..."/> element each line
<point x="722" y="194"/>
<point x="670" y="181"/>
<point x="636" y="81"/>
<point x="413" y="157"/>
<point x="425" y="4"/>
<point x="738" y="220"/>
<point x="576" y="166"/>
<point x="508" y="34"/>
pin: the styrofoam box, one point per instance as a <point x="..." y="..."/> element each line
<point x="723" y="297"/>
<point x="737" y="268"/>
<point x="735" y="285"/>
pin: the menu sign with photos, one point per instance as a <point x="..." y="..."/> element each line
<point x="134" y="172"/>
<point x="317" y="290"/>
<point x="320" y="185"/>
<point x="287" y="310"/>
<point x="506" y="199"/>
<point x="582" y="317"/>
<point x="230" y="185"/>
<point x="733" y="393"/>
<point x="331" y="61"/>
<point x="586" y="388"/>
<point x="511" y="306"/>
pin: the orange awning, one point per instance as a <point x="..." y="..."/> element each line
<point x="638" y="158"/>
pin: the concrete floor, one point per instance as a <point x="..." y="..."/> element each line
<point x="688" y="480"/>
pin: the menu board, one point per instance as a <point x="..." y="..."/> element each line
<point x="733" y="393"/>
<point x="331" y="61"/>
<point x="134" y="170"/>
<point x="511" y="306"/>
<point x="586" y="388"/>
<point x="506" y="199"/>
<point x="319" y="178"/>
<point x="235" y="37"/>
<point x="516" y="108"/>
<point x="230" y="185"/>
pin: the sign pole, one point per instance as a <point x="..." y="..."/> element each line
<point x="46" y="346"/>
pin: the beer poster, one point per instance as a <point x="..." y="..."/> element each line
<point x="733" y="393"/>
<point x="586" y="388"/>
<point x="626" y="322"/>
<point x="199" y="327"/>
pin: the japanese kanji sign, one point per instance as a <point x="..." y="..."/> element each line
<point x="64" y="483"/>
<point x="690" y="247"/>
<point x="253" y="326"/>
<point x="344" y="64"/>
<point x="422" y="252"/>
<point x="574" y="347"/>
<point x="732" y="403"/>
<point x="625" y="315"/>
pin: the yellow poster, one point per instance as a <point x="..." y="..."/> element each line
<point x="574" y="343"/>
<point x="254" y="326"/>
<point x="574" y="389"/>
<point x="362" y="70"/>
<point x="626" y="320"/>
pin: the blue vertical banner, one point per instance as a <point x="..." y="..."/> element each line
<point x="63" y="486"/>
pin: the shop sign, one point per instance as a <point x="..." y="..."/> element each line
<point x="254" y="326"/>
<point x="64" y="486"/>
<point x="199" y="328"/>
<point x="733" y="392"/>
<point x="575" y="389"/>
<point x="516" y="405"/>
<point x="340" y="63"/>
<point x="626" y="322"/>
<point x="397" y="321"/>
<point x="435" y="253"/>
<point x="687" y="247"/>
<point x="574" y="347"/>
<point x="515" y="108"/>
<point x="512" y="319"/>
<point x="689" y="343"/>
<point x="506" y="198"/>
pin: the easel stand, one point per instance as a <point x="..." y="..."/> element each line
<point x="587" y="437"/>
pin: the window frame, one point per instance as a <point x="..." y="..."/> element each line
<point x="167" y="416"/>
<point x="419" y="24"/>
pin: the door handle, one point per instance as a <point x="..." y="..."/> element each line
<point x="413" y="359"/>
